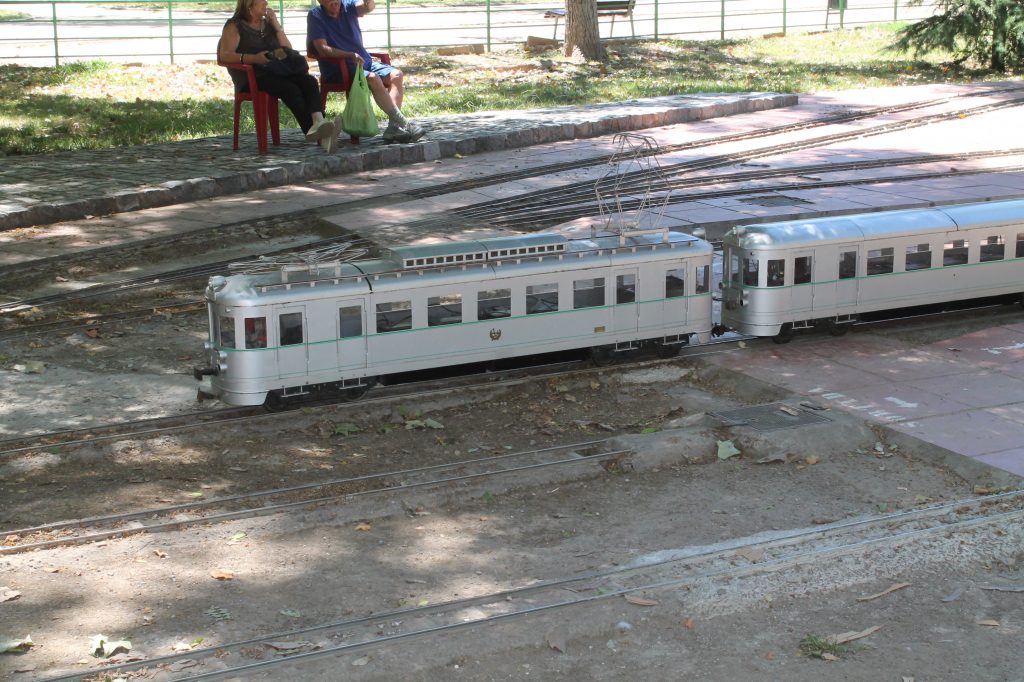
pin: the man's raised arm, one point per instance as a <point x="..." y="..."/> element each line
<point x="364" y="6"/>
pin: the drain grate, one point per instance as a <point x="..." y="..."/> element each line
<point x="769" y="417"/>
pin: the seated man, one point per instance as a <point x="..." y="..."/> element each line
<point x="333" y="30"/>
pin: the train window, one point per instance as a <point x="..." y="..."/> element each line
<point x="802" y="270"/>
<point x="992" y="248"/>
<point x="955" y="252"/>
<point x="255" y="332"/>
<point x="703" y="285"/>
<point x="291" y="328"/>
<point x="880" y="261"/>
<point x="394" y="316"/>
<point x="625" y="289"/>
<point x="493" y="304"/>
<point x="847" y="265"/>
<point x="776" y="272"/>
<point x="227" y="332"/>
<point x="1020" y="245"/>
<point x="750" y="272"/>
<point x="541" y="298"/>
<point x="675" y="283"/>
<point x="445" y="309"/>
<point x="919" y="257"/>
<point x="588" y="293"/>
<point x="351" y="321"/>
<point x="734" y="269"/>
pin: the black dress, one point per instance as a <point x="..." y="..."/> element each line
<point x="299" y="92"/>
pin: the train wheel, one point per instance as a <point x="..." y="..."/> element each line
<point x="359" y="391"/>
<point x="275" y="402"/>
<point x="836" y="329"/>
<point x="785" y="334"/>
<point x="666" y="351"/>
<point x="601" y="356"/>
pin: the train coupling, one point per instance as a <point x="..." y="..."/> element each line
<point x="200" y="372"/>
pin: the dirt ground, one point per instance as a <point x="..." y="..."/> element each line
<point x="361" y="558"/>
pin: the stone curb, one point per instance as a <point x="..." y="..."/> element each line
<point x="107" y="183"/>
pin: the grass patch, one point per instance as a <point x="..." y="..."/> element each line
<point x="99" y="105"/>
<point x="818" y="647"/>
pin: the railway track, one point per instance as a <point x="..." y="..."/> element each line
<point x="540" y="219"/>
<point x="561" y="204"/>
<point x="282" y="500"/>
<point x="927" y="530"/>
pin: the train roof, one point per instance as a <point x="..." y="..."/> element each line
<point x="448" y="257"/>
<point x="796" y="233"/>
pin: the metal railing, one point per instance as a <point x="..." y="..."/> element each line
<point x="51" y="32"/>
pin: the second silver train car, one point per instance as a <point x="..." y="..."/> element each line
<point x="782" y="276"/>
<point x="281" y="335"/>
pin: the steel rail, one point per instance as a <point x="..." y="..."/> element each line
<point x="221" y="501"/>
<point x="562" y="195"/>
<point x="282" y="507"/>
<point x="791" y="538"/>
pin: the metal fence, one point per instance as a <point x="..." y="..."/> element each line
<point x="51" y="32"/>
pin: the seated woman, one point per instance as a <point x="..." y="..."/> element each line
<point x="248" y="37"/>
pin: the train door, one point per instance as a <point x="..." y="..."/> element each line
<point x="625" y="313"/>
<point x="673" y="312"/>
<point x="291" y="341"/>
<point x="351" y="335"/>
<point x="847" y="283"/>
<point x="801" y="297"/>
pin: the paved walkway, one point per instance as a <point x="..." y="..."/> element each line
<point x="67" y="186"/>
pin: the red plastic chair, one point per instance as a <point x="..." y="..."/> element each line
<point x="264" y="107"/>
<point x="345" y="84"/>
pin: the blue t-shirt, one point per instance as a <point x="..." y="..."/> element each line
<point x="341" y="32"/>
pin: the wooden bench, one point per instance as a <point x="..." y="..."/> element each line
<point x="605" y="8"/>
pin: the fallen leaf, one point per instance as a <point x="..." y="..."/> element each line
<point x="844" y="637"/>
<point x="640" y="601"/>
<point x="751" y="554"/>
<point x="897" y="586"/>
<point x="362" y="660"/>
<point x="789" y="410"/>
<point x="364" y="526"/>
<point x="556" y="640"/>
<point x="289" y="646"/>
<point x="988" y="622"/>
<point x="7" y="594"/>
<point x="688" y="623"/>
<point x="222" y="574"/>
<point x="12" y="646"/>
<point x="997" y="588"/>
<point x="773" y="457"/>
<point x="160" y="553"/>
<point x="829" y="657"/>
<point x="291" y="613"/>
<point x="811" y="459"/>
<point x="726" y="449"/>
<point x="177" y="666"/>
<point x="101" y="647"/>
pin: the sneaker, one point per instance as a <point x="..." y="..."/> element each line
<point x="415" y="132"/>
<point x="316" y="131"/>
<point x="403" y="135"/>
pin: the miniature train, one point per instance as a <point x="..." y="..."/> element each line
<point x="334" y="328"/>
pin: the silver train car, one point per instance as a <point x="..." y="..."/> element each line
<point x="779" y="277"/>
<point x="281" y="336"/>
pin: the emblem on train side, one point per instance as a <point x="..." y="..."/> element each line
<point x="495" y="334"/>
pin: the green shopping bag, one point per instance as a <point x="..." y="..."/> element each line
<point x="358" y="117"/>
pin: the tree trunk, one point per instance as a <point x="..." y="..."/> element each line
<point x="1001" y="14"/>
<point x="581" y="30"/>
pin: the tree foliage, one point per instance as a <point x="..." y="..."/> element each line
<point x="990" y="31"/>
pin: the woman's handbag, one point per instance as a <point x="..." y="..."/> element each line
<point x="284" y="61"/>
<point x="358" y="118"/>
